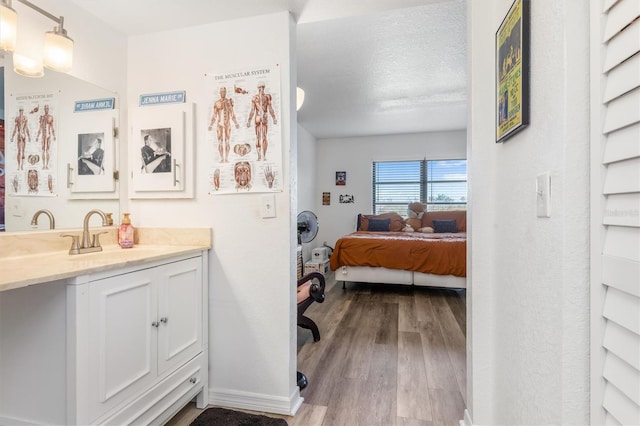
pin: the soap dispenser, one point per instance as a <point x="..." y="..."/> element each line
<point x="125" y="232"/>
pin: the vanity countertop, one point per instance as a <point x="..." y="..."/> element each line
<point x="30" y="258"/>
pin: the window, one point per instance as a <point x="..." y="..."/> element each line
<point x="440" y="184"/>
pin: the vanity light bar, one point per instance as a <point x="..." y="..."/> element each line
<point x="58" y="47"/>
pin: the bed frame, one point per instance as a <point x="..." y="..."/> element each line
<point x="368" y="274"/>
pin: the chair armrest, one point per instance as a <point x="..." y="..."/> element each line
<point x="316" y="289"/>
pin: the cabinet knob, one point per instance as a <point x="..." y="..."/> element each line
<point x="155" y="324"/>
<point x="193" y="380"/>
<point x="164" y="320"/>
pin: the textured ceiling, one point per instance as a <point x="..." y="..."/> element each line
<point x="367" y="67"/>
<point x="399" y="71"/>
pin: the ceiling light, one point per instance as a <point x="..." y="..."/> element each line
<point x="299" y="98"/>
<point x="8" y="26"/>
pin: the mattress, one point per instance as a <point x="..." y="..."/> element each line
<point x="440" y="254"/>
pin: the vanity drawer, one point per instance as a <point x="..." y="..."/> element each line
<point x="155" y="406"/>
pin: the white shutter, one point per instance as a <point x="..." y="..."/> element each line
<point x="615" y="213"/>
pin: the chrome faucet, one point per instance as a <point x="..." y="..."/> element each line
<point x="52" y="220"/>
<point x="90" y="243"/>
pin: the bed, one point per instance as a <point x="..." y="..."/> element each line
<point x="384" y="250"/>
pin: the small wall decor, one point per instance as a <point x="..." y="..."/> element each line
<point x="161" y="150"/>
<point x="163" y="98"/>
<point x="92" y="160"/>
<point x="341" y="178"/>
<point x="94" y="104"/>
<point x="326" y="198"/>
<point x="346" y="199"/>
<point x="512" y="71"/>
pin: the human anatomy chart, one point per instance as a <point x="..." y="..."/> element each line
<point x="245" y="130"/>
<point x="31" y="145"/>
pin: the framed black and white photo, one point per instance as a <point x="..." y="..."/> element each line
<point x="90" y="172"/>
<point x="160" y="154"/>
<point x="512" y="71"/>
<point x="91" y="154"/>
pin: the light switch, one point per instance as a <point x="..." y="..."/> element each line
<point x="543" y="194"/>
<point x="17" y="209"/>
<point x="268" y="206"/>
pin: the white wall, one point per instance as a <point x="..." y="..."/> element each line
<point x="355" y="156"/>
<point x="306" y="166"/>
<point x="252" y="310"/>
<point x="529" y="292"/>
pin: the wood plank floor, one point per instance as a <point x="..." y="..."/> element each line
<point x="388" y="355"/>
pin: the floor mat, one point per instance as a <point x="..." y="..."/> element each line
<point x="222" y="416"/>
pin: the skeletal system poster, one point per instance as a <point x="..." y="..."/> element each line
<point x="31" y="146"/>
<point x="244" y="128"/>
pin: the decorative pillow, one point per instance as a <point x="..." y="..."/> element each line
<point x="426" y="230"/>
<point x="396" y="224"/>
<point x="441" y="226"/>
<point x="379" y="225"/>
<point x="408" y="228"/>
<point x="459" y="215"/>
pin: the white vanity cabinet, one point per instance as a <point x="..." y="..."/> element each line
<point x="136" y="345"/>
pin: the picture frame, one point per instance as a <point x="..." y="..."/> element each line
<point x="347" y="199"/>
<point x="92" y="155"/>
<point x="341" y="178"/>
<point x="161" y="152"/>
<point x="512" y="71"/>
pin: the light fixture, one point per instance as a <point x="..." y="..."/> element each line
<point x="27" y="66"/>
<point x="58" y="47"/>
<point x="299" y="98"/>
<point x="8" y="26"/>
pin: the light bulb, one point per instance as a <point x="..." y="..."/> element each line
<point x="8" y="27"/>
<point x="26" y="66"/>
<point x="58" y="51"/>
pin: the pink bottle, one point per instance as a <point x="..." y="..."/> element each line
<point x="125" y="232"/>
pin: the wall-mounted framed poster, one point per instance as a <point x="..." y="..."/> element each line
<point x="512" y="71"/>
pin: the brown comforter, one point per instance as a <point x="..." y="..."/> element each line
<point x="442" y="254"/>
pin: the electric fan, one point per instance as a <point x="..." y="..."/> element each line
<point x="307" y="226"/>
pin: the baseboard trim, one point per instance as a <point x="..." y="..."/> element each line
<point x="16" y="422"/>
<point x="256" y="402"/>
<point x="467" y="419"/>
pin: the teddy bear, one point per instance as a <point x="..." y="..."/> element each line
<point x="408" y="228"/>
<point x="415" y="212"/>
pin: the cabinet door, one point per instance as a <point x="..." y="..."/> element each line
<point x="123" y="338"/>
<point x="180" y="313"/>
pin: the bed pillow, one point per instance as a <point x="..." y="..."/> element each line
<point x="379" y="224"/>
<point x="396" y="221"/>
<point x="442" y="226"/>
<point x="459" y="215"/>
